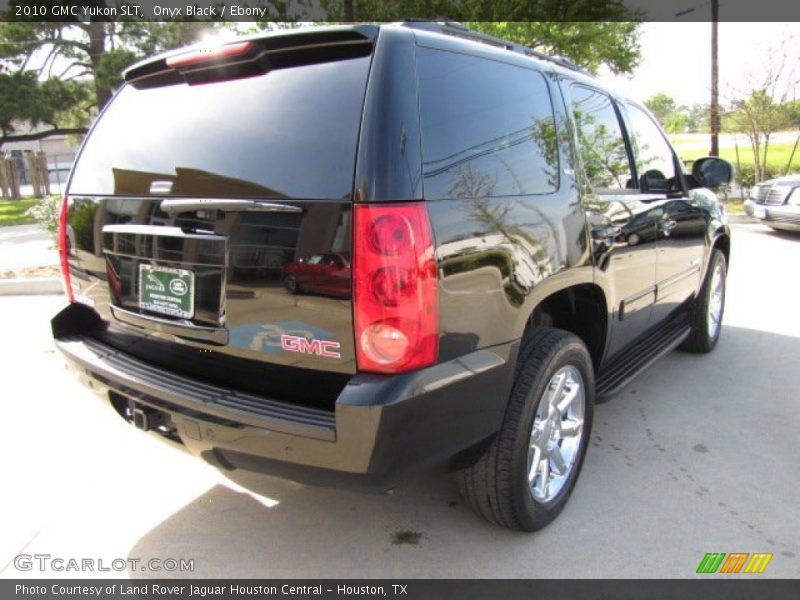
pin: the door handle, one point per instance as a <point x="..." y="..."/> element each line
<point x="667" y="225"/>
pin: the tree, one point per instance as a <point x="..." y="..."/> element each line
<point x="673" y="118"/>
<point x="72" y="67"/>
<point x="25" y="99"/>
<point x="590" y="45"/>
<point x="96" y="49"/>
<point x="758" y="117"/>
<point x="591" y="33"/>
<point x="677" y="122"/>
<point x="662" y="106"/>
<point x="792" y="109"/>
<point x="762" y="109"/>
<point x="697" y="117"/>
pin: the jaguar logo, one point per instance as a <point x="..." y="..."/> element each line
<point x="153" y="283"/>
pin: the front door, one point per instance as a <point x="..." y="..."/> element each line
<point x="680" y="222"/>
<point x="621" y="219"/>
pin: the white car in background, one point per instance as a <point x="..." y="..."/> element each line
<point x="776" y="203"/>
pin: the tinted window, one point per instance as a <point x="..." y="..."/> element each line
<point x="487" y="128"/>
<point x="600" y="140"/>
<point x="655" y="163"/>
<point x="288" y="133"/>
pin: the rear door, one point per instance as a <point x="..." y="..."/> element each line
<point x="188" y="200"/>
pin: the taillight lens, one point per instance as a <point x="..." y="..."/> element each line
<point x="64" y="249"/>
<point x="396" y="301"/>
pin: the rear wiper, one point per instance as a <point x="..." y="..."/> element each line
<point x="229" y="204"/>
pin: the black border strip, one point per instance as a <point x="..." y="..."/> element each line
<point x="394" y="10"/>
<point x="730" y="588"/>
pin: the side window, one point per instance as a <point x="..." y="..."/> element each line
<point x="488" y="128"/>
<point x="600" y="141"/>
<point x="655" y="162"/>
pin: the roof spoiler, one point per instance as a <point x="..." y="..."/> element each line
<point x="244" y="56"/>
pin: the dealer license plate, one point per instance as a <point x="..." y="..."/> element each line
<point x="167" y="291"/>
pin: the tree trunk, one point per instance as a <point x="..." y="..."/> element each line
<point x="97" y="48"/>
<point x="759" y="176"/>
<point x="754" y="149"/>
<point x="714" y="116"/>
<point x="347" y="11"/>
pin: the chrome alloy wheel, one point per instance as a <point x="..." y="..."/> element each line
<point x="556" y="434"/>
<point x="715" y="301"/>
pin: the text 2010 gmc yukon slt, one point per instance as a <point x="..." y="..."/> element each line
<point x="346" y="255"/>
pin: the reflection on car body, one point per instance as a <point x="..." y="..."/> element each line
<point x="326" y="274"/>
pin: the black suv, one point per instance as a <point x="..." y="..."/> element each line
<point x="519" y="242"/>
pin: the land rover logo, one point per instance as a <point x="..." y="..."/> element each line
<point x="178" y="287"/>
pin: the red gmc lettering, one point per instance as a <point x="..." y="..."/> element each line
<point x="293" y="343"/>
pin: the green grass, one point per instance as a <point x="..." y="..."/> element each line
<point x="777" y="158"/>
<point x="12" y="212"/>
<point x="734" y="206"/>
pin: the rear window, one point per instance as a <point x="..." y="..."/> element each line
<point x="487" y="128"/>
<point x="290" y="133"/>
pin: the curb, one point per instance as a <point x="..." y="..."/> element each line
<point x="26" y="287"/>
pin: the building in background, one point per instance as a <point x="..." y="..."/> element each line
<point x="59" y="150"/>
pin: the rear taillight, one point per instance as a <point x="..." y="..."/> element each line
<point x="64" y="249"/>
<point x="396" y="302"/>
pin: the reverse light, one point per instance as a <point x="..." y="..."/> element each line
<point x="64" y="249"/>
<point x="395" y="293"/>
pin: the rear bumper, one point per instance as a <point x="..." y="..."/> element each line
<point x="383" y="430"/>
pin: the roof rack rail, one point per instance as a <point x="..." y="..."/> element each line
<point x="456" y="29"/>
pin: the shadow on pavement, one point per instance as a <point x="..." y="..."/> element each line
<point x="664" y="471"/>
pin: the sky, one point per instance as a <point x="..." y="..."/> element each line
<point x="676" y="59"/>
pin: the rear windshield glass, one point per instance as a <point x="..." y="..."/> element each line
<point x="290" y="133"/>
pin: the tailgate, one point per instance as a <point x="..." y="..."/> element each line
<point x="248" y="299"/>
<point x="210" y="221"/>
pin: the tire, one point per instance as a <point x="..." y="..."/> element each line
<point x="290" y="283"/>
<point x="497" y="485"/>
<point x="709" y="308"/>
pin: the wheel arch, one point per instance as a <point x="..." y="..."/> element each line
<point x="722" y="242"/>
<point x="579" y="306"/>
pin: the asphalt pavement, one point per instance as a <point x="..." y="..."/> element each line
<point x="699" y="454"/>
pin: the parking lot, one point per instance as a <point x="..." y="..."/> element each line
<point x="700" y="454"/>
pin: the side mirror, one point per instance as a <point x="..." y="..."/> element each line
<point x="712" y="172"/>
<point x="653" y="181"/>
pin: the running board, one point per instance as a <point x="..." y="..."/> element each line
<point x="625" y="366"/>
